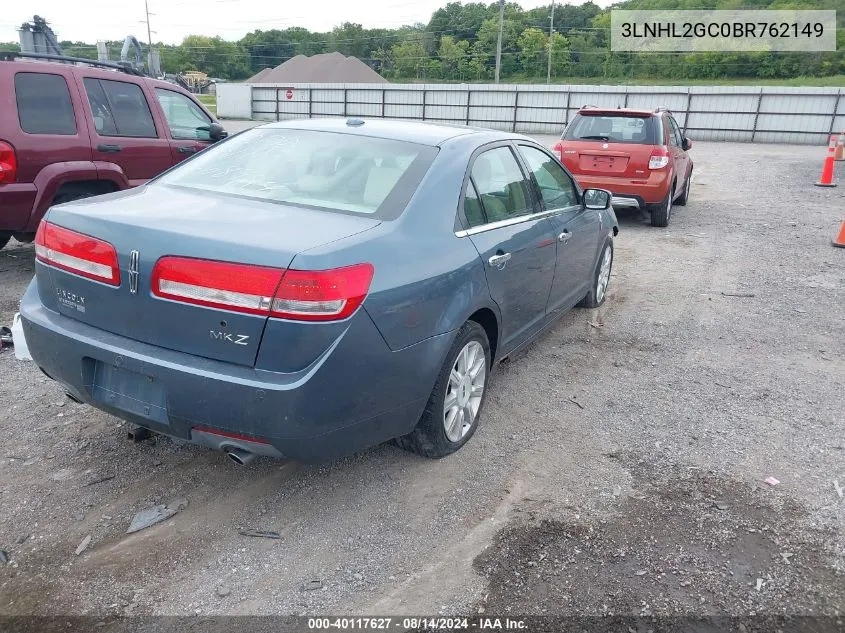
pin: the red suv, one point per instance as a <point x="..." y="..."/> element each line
<point x="71" y="130"/>
<point x="640" y="156"/>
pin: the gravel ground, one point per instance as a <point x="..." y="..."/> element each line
<point x="617" y="470"/>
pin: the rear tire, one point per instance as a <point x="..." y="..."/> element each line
<point x="73" y="195"/>
<point x="443" y="427"/>
<point x="661" y="213"/>
<point x="4" y="238"/>
<point x="682" y="200"/>
<point x="601" y="278"/>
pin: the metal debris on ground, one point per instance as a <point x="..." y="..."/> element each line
<point x="786" y="556"/>
<point x="6" y="339"/>
<point x="596" y="324"/>
<point x="83" y="545"/>
<point x="4" y="557"/>
<point x="156" y="514"/>
<point x="771" y="481"/>
<point x="739" y="294"/>
<point x="838" y="488"/>
<point x="312" y="585"/>
<point x="575" y="402"/>
<point x="260" y="534"/>
<point x="100" y="480"/>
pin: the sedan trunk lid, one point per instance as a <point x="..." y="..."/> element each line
<point x="149" y="223"/>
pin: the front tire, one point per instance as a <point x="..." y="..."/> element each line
<point x="601" y="279"/>
<point x="451" y="415"/>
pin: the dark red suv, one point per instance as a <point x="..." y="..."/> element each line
<point x="71" y="130"/>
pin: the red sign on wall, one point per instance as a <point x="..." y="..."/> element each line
<point x="289" y="94"/>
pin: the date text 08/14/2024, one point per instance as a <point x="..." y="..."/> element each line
<point x="412" y="623"/>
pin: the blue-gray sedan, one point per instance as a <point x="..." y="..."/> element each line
<point x="306" y="289"/>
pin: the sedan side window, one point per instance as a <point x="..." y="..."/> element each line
<point x="556" y="187"/>
<point x="501" y="185"/>
<point x="472" y="207"/>
<point x="183" y="116"/>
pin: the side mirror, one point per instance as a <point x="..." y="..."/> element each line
<point x="217" y="132"/>
<point x="597" y="199"/>
<point x="687" y="143"/>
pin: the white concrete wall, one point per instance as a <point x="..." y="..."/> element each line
<point x="728" y="113"/>
<point x="234" y="101"/>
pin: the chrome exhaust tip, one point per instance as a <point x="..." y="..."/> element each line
<point x="240" y="456"/>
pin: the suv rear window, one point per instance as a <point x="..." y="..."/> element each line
<point x="44" y="104"/>
<point x="613" y="128"/>
<point x="310" y="168"/>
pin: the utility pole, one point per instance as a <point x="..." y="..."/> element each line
<point x="551" y="33"/>
<point x="499" y="43"/>
<point x="149" y="33"/>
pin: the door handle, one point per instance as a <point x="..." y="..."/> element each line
<point x="564" y="237"/>
<point x="187" y="149"/>
<point x="499" y="260"/>
<point x="108" y="149"/>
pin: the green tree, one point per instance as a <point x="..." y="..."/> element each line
<point x="454" y="55"/>
<point x="350" y="39"/>
<point x="561" y="59"/>
<point x="409" y="59"/>
<point x="215" y="57"/>
<point x="533" y="52"/>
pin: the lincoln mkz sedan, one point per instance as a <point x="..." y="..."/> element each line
<point x="307" y="289"/>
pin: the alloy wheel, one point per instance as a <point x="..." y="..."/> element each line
<point x="465" y="390"/>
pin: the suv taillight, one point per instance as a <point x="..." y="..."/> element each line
<point x="77" y="253"/>
<point x="8" y="163"/>
<point x="300" y="295"/>
<point x="659" y="158"/>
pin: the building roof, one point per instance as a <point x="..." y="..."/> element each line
<point x="323" y="68"/>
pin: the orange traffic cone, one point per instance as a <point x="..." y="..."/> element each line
<point x="827" y="170"/>
<point x="839" y="154"/>
<point x="839" y="240"/>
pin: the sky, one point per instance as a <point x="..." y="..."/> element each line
<point x="172" y="20"/>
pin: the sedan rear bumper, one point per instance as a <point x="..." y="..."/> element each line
<point x="334" y="407"/>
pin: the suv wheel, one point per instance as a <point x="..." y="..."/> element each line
<point x="73" y="195"/>
<point x="661" y="213"/>
<point x="5" y="236"/>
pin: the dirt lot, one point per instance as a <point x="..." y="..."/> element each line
<point x="618" y="469"/>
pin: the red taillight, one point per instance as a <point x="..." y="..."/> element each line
<point x="659" y="158"/>
<point x="216" y="284"/>
<point x="559" y="149"/>
<point x="77" y="253"/>
<point x="320" y="295"/>
<point x="8" y="163"/>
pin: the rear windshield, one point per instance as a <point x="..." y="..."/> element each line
<point x="613" y="128"/>
<point x="309" y="168"/>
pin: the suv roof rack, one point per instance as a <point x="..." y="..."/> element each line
<point x="122" y="66"/>
<point x="662" y="109"/>
<point x="588" y="105"/>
